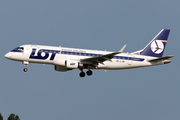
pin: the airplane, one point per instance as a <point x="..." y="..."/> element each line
<point x="65" y="59"/>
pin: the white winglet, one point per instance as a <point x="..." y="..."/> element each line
<point x="121" y="50"/>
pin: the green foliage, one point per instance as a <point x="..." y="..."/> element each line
<point x="1" y="117"/>
<point x="13" y="117"/>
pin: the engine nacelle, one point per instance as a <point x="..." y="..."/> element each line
<point x="60" y="62"/>
<point x="68" y="64"/>
<point x="71" y="64"/>
<point x="60" y="68"/>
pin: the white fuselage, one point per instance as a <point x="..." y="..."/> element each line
<point x="51" y="55"/>
<point x="65" y="59"/>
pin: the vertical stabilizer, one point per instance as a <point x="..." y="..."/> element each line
<point x="157" y="45"/>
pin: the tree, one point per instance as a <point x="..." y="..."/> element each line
<point x="1" y="117"/>
<point x="13" y="117"/>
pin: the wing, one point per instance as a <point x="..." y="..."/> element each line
<point x="101" y="59"/>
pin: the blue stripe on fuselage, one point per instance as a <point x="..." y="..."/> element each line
<point x="54" y="52"/>
<point x="98" y="55"/>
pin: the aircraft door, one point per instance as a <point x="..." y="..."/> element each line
<point x="27" y="51"/>
<point x="130" y="59"/>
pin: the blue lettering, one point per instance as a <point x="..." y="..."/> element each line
<point x="43" y="54"/>
<point x="72" y="63"/>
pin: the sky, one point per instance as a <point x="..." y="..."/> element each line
<point x="150" y="93"/>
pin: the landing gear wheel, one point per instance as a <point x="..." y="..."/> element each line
<point x="25" y="69"/>
<point x="89" y="72"/>
<point x="26" y="65"/>
<point x="82" y="74"/>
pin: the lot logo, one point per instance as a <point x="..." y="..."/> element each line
<point x="72" y="63"/>
<point x="43" y="54"/>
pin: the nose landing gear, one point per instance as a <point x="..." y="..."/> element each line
<point x="25" y="69"/>
<point x="26" y="65"/>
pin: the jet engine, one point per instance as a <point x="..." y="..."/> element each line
<point x="71" y="64"/>
<point x="68" y="64"/>
<point x="60" y="68"/>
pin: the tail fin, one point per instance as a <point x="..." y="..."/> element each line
<point x="157" y="45"/>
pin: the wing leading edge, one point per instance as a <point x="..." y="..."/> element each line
<point x="101" y="59"/>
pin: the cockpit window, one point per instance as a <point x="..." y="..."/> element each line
<point x="18" y="49"/>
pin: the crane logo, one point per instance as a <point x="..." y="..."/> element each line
<point x="157" y="46"/>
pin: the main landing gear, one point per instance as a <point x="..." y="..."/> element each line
<point x="26" y="65"/>
<point x="82" y="74"/>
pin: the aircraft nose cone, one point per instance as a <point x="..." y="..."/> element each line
<point x="8" y="55"/>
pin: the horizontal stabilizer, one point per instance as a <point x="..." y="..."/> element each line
<point x="162" y="58"/>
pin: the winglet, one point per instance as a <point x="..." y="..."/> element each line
<point x="121" y="50"/>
